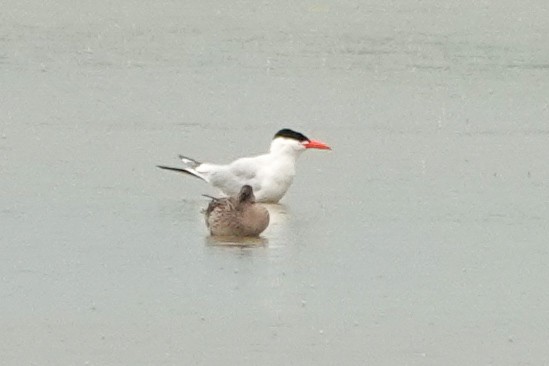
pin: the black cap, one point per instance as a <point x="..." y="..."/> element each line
<point x="291" y="134"/>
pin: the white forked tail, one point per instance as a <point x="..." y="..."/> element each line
<point x="188" y="162"/>
<point x="189" y="166"/>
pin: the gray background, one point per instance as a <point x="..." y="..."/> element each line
<point x="421" y="239"/>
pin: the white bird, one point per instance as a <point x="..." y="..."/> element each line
<point x="270" y="175"/>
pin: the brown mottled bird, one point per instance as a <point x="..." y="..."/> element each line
<point x="237" y="215"/>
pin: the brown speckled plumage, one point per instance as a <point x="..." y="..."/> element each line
<point x="236" y="216"/>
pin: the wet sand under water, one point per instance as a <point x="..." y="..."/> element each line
<point x="419" y="240"/>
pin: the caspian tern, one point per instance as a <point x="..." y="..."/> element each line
<point x="236" y="215"/>
<point x="270" y="175"/>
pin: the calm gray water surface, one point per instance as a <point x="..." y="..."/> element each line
<point x="421" y="239"/>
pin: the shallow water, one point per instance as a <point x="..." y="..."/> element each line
<point x="420" y="239"/>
